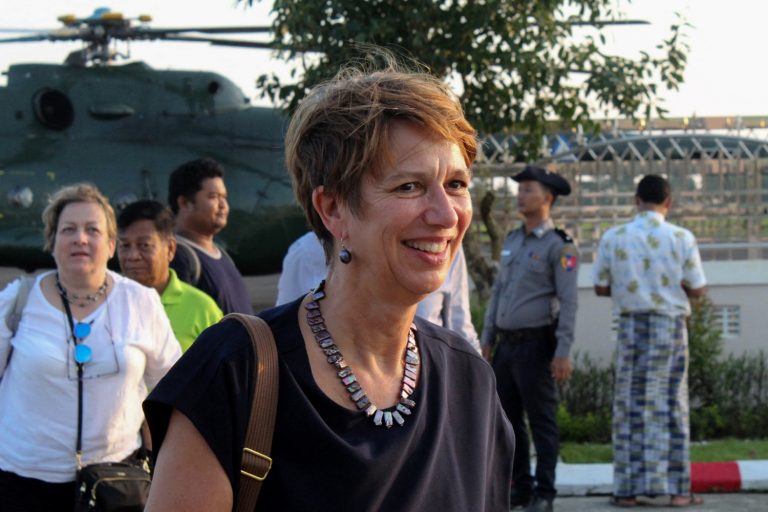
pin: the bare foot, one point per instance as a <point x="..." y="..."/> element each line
<point x="685" y="501"/>
<point x="623" y="501"/>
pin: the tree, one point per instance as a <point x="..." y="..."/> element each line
<point x="518" y="63"/>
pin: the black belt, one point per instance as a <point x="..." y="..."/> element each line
<point x="645" y="314"/>
<point x="526" y="334"/>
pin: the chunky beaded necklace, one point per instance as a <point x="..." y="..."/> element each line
<point x="387" y="417"/>
<point x="77" y="300"/>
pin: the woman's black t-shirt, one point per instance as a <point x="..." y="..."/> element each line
<point x="454" y="452"/>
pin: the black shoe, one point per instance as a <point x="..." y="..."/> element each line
<point x="539" y="504"/>
<point x="519" y="499"/>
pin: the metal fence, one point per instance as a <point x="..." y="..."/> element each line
<point x="719" y="183"/>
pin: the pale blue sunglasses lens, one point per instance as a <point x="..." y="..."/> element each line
<point x="82" y="330"/>
<point x="83" y="353"/>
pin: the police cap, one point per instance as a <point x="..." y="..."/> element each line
<point x="556" y="183"/>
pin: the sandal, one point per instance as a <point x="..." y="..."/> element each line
<point x="623" y="501"/>
<point x="685" y="501"/>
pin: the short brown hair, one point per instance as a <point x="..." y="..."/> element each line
<point x="79" y="193"/>
<point x="341" y="131"/>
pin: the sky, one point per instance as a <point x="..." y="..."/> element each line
<point x="726" y="74"/>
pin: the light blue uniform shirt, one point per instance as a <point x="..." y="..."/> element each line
<point x="536" y="285"/>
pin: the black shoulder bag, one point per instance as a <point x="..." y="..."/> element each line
<point x="105" y="486"/>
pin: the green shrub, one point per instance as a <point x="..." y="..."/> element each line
<point x="584" y="414"/>
<point x="705" y="347"/>
<point x="585" y="428"/>
<point x="728" y="396"/>
<point x="706" y="423"/>
<point x="742" y="395"/>
<point x="590" y="388"/>
<point x="735" y="404"/>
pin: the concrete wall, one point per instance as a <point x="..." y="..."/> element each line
<point x="754" y="315"/>
<point x="593" y="325"/>
<point x="742" y="283"/>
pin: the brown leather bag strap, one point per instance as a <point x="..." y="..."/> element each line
<point x="256" y="461"/>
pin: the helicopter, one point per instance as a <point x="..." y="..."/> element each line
<point x="125" y="127"/>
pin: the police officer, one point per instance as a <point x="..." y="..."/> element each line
<point x="530" y="320"/>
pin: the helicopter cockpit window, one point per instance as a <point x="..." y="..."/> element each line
<point x="53" y="109"/>
<point x="213" y="87"/>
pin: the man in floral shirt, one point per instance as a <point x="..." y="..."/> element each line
<point x="650" y="268"/>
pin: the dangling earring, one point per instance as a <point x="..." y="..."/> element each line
<point x="344" y="255"/>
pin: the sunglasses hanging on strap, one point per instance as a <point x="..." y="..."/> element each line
<point x="105" y="486"/>
<point x="82" y="354"/>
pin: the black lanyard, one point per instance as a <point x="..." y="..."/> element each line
<point x="79" y="445"/>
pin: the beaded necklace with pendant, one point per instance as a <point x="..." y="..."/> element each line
<point x="77" y="300"/>
<point x="381" y="418"/>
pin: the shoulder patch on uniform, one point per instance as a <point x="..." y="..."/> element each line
<point x="564" y="235"/>
<point x="569" y="257"/>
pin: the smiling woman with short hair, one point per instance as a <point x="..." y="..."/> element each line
<point x="377" y="409"/>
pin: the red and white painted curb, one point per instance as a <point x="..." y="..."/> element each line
<point x="742" y="475"/>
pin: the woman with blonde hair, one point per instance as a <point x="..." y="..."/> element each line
<point x="78" y="318"/>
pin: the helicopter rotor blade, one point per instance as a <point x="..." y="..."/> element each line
<point x="602" y="23"/>
<point x="210" y="30"/>
<point x="61" y="34"/>
<point x="22" y="31"/>
<point x="220" y="42"/>
<point x="25" y="39"/>
<point x="242" y="44"/>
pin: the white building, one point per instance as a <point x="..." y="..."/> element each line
<point x="738" y="290"/>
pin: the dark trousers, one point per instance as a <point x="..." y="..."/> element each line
<point x="21" y="494"/>
<point x="525" y="386"/>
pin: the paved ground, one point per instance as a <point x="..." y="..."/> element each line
<point x="741" y="502"/>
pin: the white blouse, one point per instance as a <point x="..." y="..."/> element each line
<point x="133" y="347"/>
